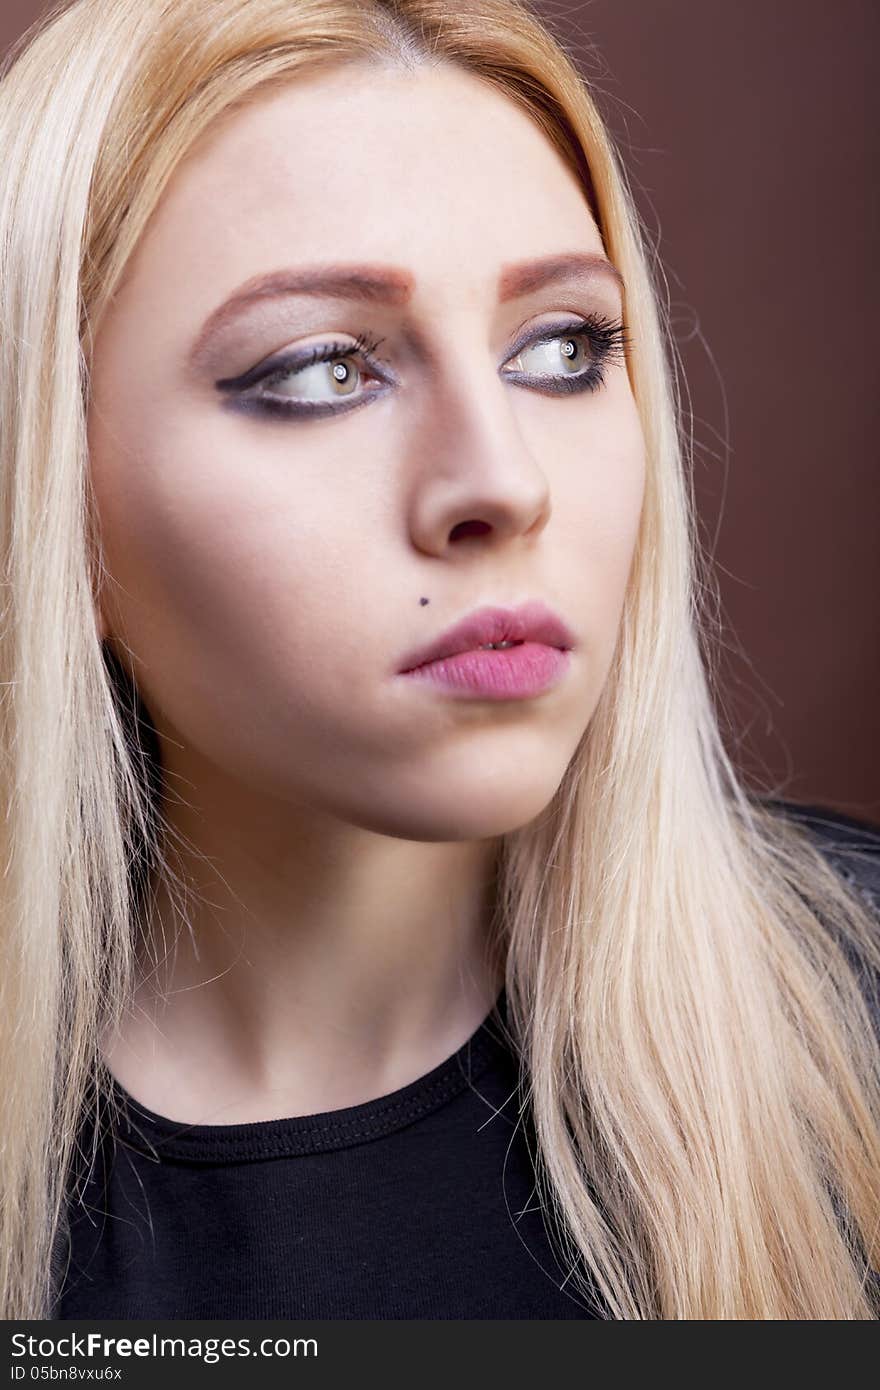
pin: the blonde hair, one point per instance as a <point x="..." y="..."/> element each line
<point x="698" y="1054"/>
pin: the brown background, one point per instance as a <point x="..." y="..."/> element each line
<point x="750" y="134"/>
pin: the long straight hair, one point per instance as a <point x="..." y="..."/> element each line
<point x="682" y="964"/>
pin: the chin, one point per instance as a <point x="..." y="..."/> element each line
<point x="473" y="813"/>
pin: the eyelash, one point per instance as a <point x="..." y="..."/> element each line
<point x="608" y="342"/>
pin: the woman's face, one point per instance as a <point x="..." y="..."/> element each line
<point x="270" y="544"/>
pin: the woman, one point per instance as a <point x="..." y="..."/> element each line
<point x="404" y="942"/>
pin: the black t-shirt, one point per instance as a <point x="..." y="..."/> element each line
<point x="419" y="1204"/>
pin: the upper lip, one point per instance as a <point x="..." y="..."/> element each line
<point x="530" y="622"/>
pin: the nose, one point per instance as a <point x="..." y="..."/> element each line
<point x="477" y="481"/>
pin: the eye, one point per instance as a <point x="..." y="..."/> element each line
<point x="332" y="374"/>
<point x="571" y="357"/>
<point x="570" y="351"/>
<point x="308" y="381"/>
<point x="329" y="379"/>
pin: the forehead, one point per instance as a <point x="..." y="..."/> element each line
<point x="432" y="166"/>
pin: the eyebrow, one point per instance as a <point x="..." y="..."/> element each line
<point x="389" y="285"/>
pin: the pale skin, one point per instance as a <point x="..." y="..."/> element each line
<point x="265" y="576"/>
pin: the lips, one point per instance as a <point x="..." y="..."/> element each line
<point x="530" y="622"/>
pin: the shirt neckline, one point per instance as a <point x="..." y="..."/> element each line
<point x="161" y="1138"/>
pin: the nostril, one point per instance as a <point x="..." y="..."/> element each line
<point x="469" y="528"/>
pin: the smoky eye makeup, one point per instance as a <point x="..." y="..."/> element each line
<point x="607" y="341"/>
<point x="583" y="347"/>
<point x="242" y="394"/>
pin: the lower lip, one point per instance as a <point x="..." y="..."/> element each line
<point x="513" y="673"/>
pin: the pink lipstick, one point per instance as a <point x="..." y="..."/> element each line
<point x="496" y="653"/>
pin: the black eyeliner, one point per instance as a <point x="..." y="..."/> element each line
<point x="608" y="339"/>
<point x="283" y="362"/>
<point x="255" y="374"/>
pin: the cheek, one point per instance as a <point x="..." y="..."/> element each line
<point x="598" y="481"/>
<point x="599" y="498"/>
<point x="222" y="576"/>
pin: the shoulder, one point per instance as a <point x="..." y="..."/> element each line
<point x="851" y="845"/>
